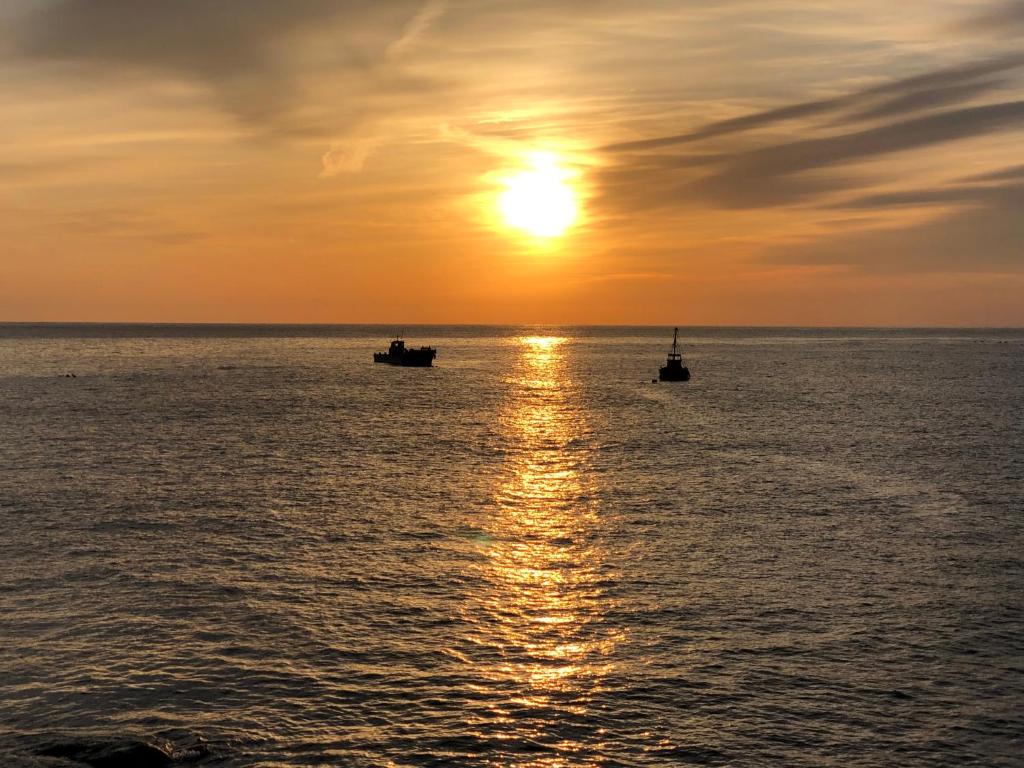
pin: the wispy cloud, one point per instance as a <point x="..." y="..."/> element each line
<point x="1005" y="174"/>
<point x="984" y="234"/>
<point x="911" y="94"/>
<point x="255" y="56"/>
<point x="767" y="169"/>
<point x="1005" y="18"/>
<point x="349" y="156"/>
<point x="428" y="13"/>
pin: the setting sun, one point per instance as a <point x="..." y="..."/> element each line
<point x="539" y="201"/>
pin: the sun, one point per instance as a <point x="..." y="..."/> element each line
<point x="539" y="201"/>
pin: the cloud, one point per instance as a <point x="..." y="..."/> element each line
<point x="791" y="172"/>
<point x="127" y="224"/>
<point x="768" y="168"/>
<point x="968" y="190"/>
<point x="1006" y="174"/>
<point x="429" y="12"/>
<point x="253" y="55"/>
<point x="930" y="98"/>
<point x="1006" y="18"/>
<point x="909" y="94"/>
<point x="987" y="236"/>
<point x="348" y="157"/>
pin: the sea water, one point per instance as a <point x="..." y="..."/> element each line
<point x="249" y="545"/>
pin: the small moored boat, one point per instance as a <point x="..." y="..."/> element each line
<point x="399" y="354"/>
<point x="673" y="369"/>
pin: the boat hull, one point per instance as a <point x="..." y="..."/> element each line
<point x="411" y="358"/>
<point x="673" y="373"/>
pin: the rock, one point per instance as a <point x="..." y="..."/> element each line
<point x="129" y="754"/>
<point x="194" y="753"/>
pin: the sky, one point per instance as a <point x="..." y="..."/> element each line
<point x="742" y="162"/>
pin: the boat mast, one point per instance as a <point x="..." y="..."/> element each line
<point x="675" y="338"/>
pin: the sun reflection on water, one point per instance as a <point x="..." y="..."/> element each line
<point x="545" y="605"/>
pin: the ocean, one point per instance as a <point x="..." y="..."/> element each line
<point x="251" y="546"/>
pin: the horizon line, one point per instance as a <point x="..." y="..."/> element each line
<point x="244" y="324"/>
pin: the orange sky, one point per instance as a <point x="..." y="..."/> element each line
<point x="794" y="163"/>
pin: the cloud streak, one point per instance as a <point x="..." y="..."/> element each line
<point x="985" y="236"/>
<point x="1006" y="18"/>
<point x="429" y="12"/>
<point x="761" y="168"/>
<point x="910" y="94"/>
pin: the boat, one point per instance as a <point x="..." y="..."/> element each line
<point x="673" y="369"/>
<point x="399" y="354"/>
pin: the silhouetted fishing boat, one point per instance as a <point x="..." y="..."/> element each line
<point x="673" y="369"/>
<point x="399" y="354"/>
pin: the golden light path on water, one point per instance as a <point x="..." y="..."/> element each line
<point x="545" y="606"/>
